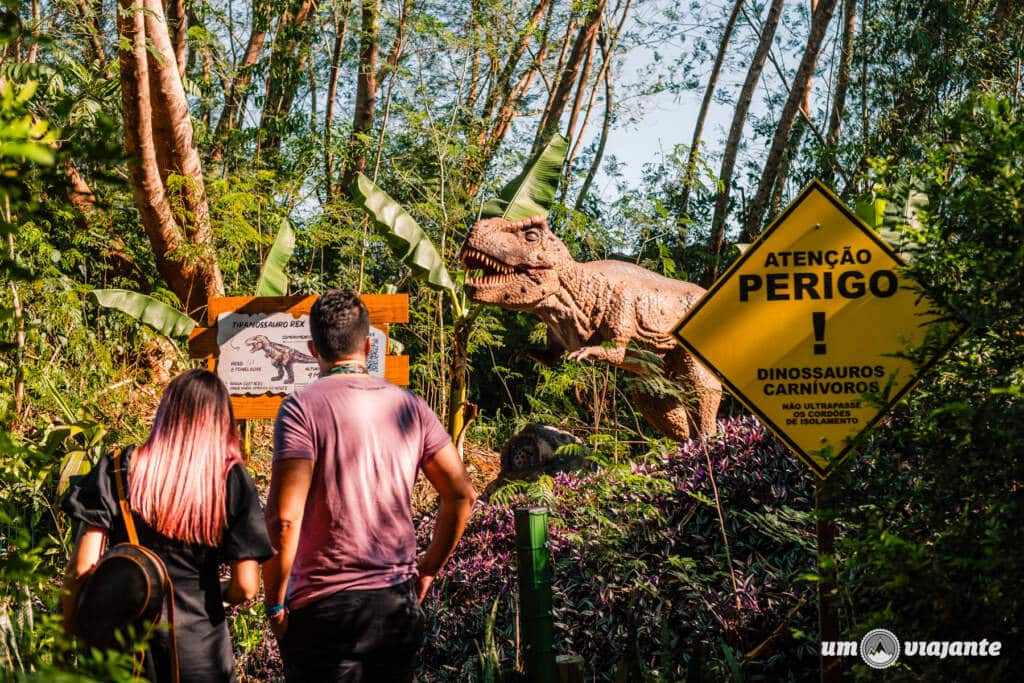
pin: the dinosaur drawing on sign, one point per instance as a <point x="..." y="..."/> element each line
<point x="281" y="356"/>
<point x="594" y="311"/>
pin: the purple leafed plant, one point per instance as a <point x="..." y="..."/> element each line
<point x="641" y="569"/>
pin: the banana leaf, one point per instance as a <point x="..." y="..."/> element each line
<point x="892" y="217"/>
<point x="273" y="281"/>
<point x="532" y="192"/>
<point x="406" y="238"/>
<point x="74" y="464"/>
<point x="158" y="315"/>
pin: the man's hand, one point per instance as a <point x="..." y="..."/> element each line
<point x="278" y="623"/>
<point x="447" y="475"/>
<point x="423" y="584"/>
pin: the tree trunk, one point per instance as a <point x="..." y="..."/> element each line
<point x="502" y="95"/>
<point x="806" y="105"/>
<point x="795" y="138"/>
<point x="390" y="64"/>
<point x="235" y="96"/>
<point x="78" y="192"/>
<point x="606" y="126"/>
<point x="287" y="63"/>
<point x="18" y="322"/>
<point x="473" y="31"/>
<point x="366" y="93"/>
<point x="607" y="51"/>
<point x="340" y="29"/>
<point x="584" y="40"/>
<point x="390" y="68"/>
<point x="819" y="26"/>
<point x="500" y="88"/>
<point x="115" y="253"/>
<point x="581" y="88"/>
<point x="845" y="63"/>
<point x="89" y="18"/>
<point x="177" y="25"/>
<point x="158" y="140"/>
<point x="705" y="106"/>
<point x="37" y="24"/>
<point x="732" y="143"/>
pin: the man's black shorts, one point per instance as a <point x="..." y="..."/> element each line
<point x="354" y="636"/>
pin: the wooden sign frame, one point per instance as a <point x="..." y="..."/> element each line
<point x="384" y="309"/>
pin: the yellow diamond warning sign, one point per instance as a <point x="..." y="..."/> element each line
<point x="813" y="328"/>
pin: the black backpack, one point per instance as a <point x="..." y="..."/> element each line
<point x="127" y="589"/>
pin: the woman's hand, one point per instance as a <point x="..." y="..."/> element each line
<point x="243" y="584"/>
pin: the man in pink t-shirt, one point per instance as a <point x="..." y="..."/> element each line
<point x="343" y="592"/>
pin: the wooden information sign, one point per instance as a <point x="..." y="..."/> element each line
<point x="258" y="346"/>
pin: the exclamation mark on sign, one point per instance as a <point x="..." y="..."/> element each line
<point x="818" y="320"/>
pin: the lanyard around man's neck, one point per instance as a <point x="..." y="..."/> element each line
<point x="347" y="369"/>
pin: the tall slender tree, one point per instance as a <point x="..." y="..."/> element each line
<point x="690" y="172"/>
<point x="732" y="144"/>
<point x="820" y="20"/>
<point x="366" y="92"/>
<point x="582" y="46"/>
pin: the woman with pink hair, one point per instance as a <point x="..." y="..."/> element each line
<point x="194" y="505"/>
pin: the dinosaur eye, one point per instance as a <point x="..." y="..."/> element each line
<point x="532" y="235"/>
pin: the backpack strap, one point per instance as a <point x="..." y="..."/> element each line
<point x="122" y="499"/>
<point x="120" y="478"/>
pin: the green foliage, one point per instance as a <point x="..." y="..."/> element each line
<point x="167" y="321"/>
<point x="642" y="580"/>
<point x="532" y="192"/>
<point x="934" y="517"/>
<point x="273" y="280"/>
<point x="406" y="238"/>
<point x="23" y="137"/>
<point x="489" y="655"/>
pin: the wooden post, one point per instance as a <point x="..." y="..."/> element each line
<point x="537" y="621"/>
<point x="245" y="426"/>
<point x="828" y="629"/>
<point x="570" y="668"/>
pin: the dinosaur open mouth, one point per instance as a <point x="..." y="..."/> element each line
<point x="482" y="269"/>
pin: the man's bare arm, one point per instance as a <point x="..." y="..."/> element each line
<point x="447" y="475"/>
<point x="289" y="487"/>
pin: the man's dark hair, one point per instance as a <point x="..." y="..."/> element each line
<point x="339" y="323"/>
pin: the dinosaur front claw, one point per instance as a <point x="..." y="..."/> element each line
<point x="582" y="354"/>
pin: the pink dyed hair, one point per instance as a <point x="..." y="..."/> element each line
<point x="178" y="478"/>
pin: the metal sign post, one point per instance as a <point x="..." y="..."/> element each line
<point x="535" y="604"/>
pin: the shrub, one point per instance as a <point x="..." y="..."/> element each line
<point x="642" y="577"/>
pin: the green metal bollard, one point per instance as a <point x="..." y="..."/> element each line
<point x="535" y="617"/>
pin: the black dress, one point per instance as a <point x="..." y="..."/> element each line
<point x="204" y="645"/>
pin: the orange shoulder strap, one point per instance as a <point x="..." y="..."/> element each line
<point x="122" y="498"/>
<point x="120" y="477"/>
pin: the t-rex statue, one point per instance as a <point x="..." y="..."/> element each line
<point x="594" y="310"/>
<point x="281" y="356"/>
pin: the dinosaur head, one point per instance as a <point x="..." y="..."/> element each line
<point x="512" y="264"/>
<point x="256" y="343"/>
